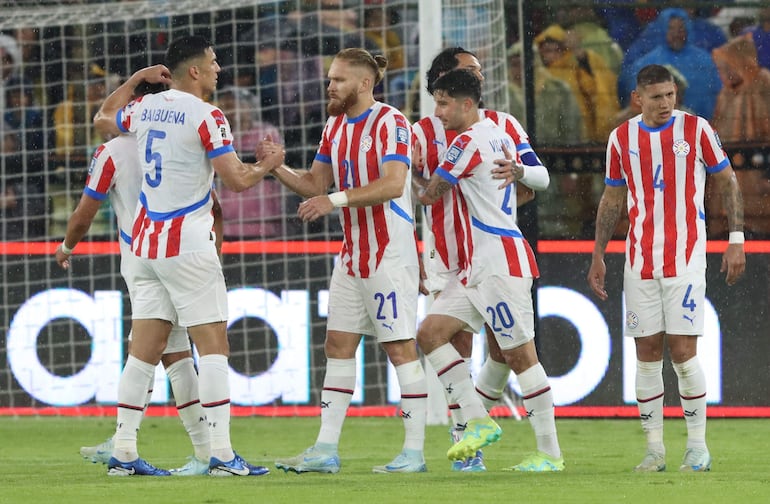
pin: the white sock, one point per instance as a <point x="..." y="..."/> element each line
<point x="692" y="393"/>
<point x="148" y="398"/>
<point x="454" y="375"/>
<point x="132" y="392"/>
<point x="339" y="384"/>
<point x="414" y="403"/>
<point x="455" y="414"/>
<point x="491" y="382"/>
<point x="214" y="390"/>
<point x="184" y="384"/>
<point x="649" y="398"/>
<point x="538" y="402"/>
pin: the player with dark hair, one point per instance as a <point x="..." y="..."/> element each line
<point x="657" y="163"/>
<point x="493" y="284"/>
<point x="431" y="141"/>
<point x="182" y="141"/>
<point x="365" y="151"/>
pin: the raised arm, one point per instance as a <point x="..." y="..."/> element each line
<point x="607" y="217"/>
<point x="105" y="119"/>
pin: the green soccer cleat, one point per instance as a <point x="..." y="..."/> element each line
<point x="311" y="460"/>
<point x="539" y="462"/>
<point x="652" y="462"/>
<point x="696" y="460"/>
<point x="99" y="454"/>
<point x="194" y="467"/>
<point x="408" y="461"/>
<point x="478" y="433"/>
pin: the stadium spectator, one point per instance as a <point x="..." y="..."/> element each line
<point x="664" y="283"/>
<point x="257" y="212"/>
<point x="592" y="82"/>
<point x="375" y="282"/>
<point x="10" y="66"/>
<point x="493" y="284"/>
<point x="583" y="20"/>
<point x="183" y="141"/>
<point x="677" y="49"/>
<point x="760" y="35"/>
<point x="377" y="24"/>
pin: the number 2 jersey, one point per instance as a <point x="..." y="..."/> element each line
<point x="177" y="136"/>
<point x="491" y="240"/>
<point x="665" y="170"/>
<point x="356" y="148"/>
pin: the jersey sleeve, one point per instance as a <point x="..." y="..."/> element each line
<point x="613" y="168"/>
<point x="394" y="139"/>
<point x="126" y="118"/>
<point x="714" y="157"/>
<point x="324" y="152"/>
<point x="461" y="158"/>
<point x="216" y="136"/>
<point x="101" y="173"/>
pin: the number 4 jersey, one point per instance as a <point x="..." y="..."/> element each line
<point x="177" y="136"/>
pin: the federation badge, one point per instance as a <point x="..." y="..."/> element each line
<point x="681" y="148"/>
<point x="453" y="154"/>
<point x="632" y="320"/>
<point x="366" y="143"/>
<point x="402" y="135"/>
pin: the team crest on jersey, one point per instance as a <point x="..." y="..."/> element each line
<point x="453" y="154"/>
<point x="681" y="148"/>
<point x="632" y="320"/>
<point x="366" y="143"/>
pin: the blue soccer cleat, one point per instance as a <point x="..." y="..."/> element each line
<point x="99" y="454"/>
<point x="311" y="460"/>
<point x="194" y="467"/>
<point x="408" y="461"/>
<point x="235" y="467"/>
<point x="138" y="467"/>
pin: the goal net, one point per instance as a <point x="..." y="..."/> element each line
<point x="64" y="332"/>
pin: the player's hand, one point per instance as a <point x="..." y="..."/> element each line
<point x="62" y="259"/>
<point x="596" y="276"/>
<point x="154" y="74"/>
<point x="315" y="208"/>
<point x="423" y="277"/>
<point x="733" y="262"/>
<point x="270" y="154"/>
<point x="507" y="169"/>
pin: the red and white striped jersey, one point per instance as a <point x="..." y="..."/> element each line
<point x="665" y="170"/>
<point x="432" y="141"/>
<point x="177" y="136"/>
<point x="356" y="148"/>
<point x="492" y="241"/>
<point x="114" y="172"/>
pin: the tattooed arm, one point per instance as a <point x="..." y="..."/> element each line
<point x="437" y="186"/>
<point x="610" y="210"/>
<point x="734" y="258"/>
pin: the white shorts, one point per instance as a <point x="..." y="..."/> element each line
<point x="178" y="340"/>
<point x="188" y="289"/>
<point x="383" y="305"/>
<point x="504" y="303"/>
<point x="671" y="305"/>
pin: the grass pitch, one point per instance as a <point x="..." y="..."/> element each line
<point x="39" y="462"/>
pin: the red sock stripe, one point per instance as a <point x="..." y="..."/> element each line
<point x="215" y="404"/>
<point x="454" y="406"/>
<point x="691" y="398"/>
<point x="487" y="396"/>
<point x="651" y="398"/>
<point x="449" y="367"/>
<point x="131" y="407"/>
<point x="414" y="396"/>
<point x="535" y="394"/>
<point x="183" y="406"/>
<point x="340" y="390"/>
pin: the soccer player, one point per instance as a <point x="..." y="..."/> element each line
<point x="493" y="284"/>
<point x="115" y="173"/>
<point x="365" y="151"/>
<point x="431" y="141"/>
<point x="182" y="141"/>
<point x="657" y="164"/>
